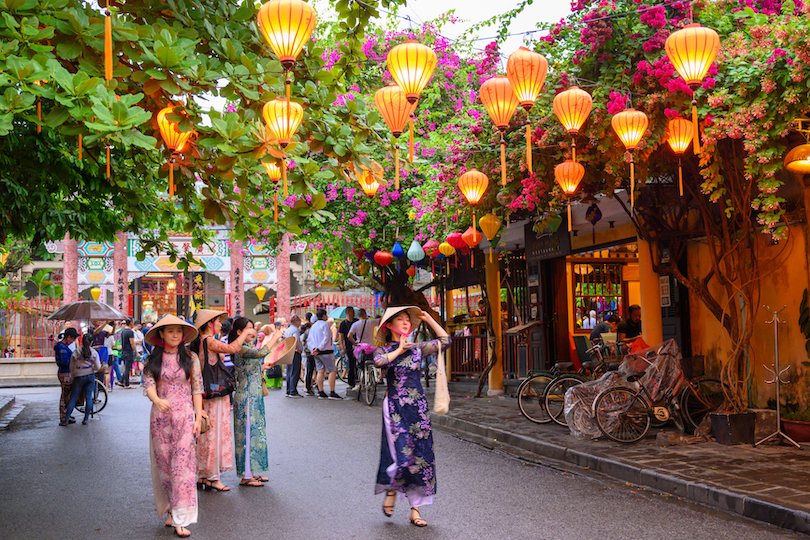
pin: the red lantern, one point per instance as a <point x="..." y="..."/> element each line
<point x="431" y="247"/>
<point x="456" y="240"/>
<point x="383" y="258"/>
<point x="411" y="271"/>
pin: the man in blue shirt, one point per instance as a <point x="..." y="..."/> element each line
<point x="62" y="353"/>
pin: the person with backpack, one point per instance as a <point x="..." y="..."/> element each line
<point x="83" y="366"/>
<point x="215" y="447"/>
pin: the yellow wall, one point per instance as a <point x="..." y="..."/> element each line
<point x="783" y="285"/>
<point x="633" y="293"/>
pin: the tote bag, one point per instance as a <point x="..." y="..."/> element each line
<point x="441" y="399"/>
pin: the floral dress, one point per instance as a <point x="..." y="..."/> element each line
<point x="171" y="440"/>
<point x="407" y="464"/>
<point x="215" y="446"/>
<point x="249" y="424"/>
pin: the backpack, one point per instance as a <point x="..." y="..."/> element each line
<point x="218" y="381"/>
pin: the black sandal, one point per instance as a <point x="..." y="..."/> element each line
<point x="389" y="493"/>
<point x="210" y="485"/>
<point x="416" y="519"/>
<point x="182" y="535"/>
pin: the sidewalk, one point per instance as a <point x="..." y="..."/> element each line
<point x="768" y="483"/>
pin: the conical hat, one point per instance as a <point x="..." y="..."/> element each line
<point x="283" y="351"/>
<point x="205" y="315"/>
<point x="153" y="338"/>
<point x="413" y="311"/>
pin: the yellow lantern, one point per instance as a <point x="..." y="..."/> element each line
<point x="95" y="292"/>
<point x="260" y="292"/>
<point x="473" y="184"/>
<point x="174" y="139"/>
<point x="370" y="179"/>
<point x="692" y="49"/>
<point x="798" y="159"/>
<point x="446" y="249"/>
<point x="630" y="125"/>
<point x="568" y="175"/>
<point x="395" y="109"/>
<point x="500" y="101"/>
<point x="526" y="71"/>
<point x="411" y="65"/>
<point x="287" y="25"/>
<point x="490" y="225"/>
<point x="274" y="172"/>
<point x="283" y="118"/>
<point x="679" y="137"/>
<point x="572" y="108"/>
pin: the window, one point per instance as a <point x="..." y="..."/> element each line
<point x="597" y="287"/>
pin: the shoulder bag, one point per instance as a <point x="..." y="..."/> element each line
<point x="217" y="380"/>
<point x="441" y="399"/>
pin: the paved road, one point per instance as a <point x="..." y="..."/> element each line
<point x="92" y="482"/>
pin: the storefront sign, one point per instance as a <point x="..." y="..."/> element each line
<point x="540" y="247"/>
<point x="663" y="284"/>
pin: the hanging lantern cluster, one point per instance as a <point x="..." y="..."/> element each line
<point x="526" y="71"/>
<point x="174" y="139"/>
<point x="630" y="125"/>
<point x="679" y="136"/>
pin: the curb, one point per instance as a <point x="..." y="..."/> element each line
<point x="6" y="403"/>
<point x="744" y="505"/>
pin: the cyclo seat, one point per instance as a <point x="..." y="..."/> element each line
<point x="591" y="365"/>
<point x="564" y="366"/>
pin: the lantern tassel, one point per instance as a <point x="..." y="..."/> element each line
<point x="632" y="187"/>
<point x="284" y="174"/>
<point x="473" y="213"/>
<point x="696" y="138"/>
<point x="171" y="180"/>
<point x="574" y="150"/>
<point x="529" y="146"/>
<point x="107" y="144"/>
<point x="39" y="114"/>
<point x="108" y="47"/>
<point x="80" y="146"/>
<point x="411" y="135"/>
<point x="570" y="227"/>
<point x="503" y="161"/>
<point x="680" y="177"/>
<point x="396" y="167"/>
<point x="490" y="253"/>
<point x="275" y="207"/>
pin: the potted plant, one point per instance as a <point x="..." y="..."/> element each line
<point x="796" y="422"/>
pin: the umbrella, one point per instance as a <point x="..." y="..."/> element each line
<point x="87" y="310"/>
<point x="338" y="313"/>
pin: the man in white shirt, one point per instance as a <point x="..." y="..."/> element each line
<point x="294" y="369"/>
<point x="322" y="346"/>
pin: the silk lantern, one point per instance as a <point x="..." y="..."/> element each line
<point x="370" y="179"/>
<point x="260" y="292"/>
<point x="286" y="26"/>
<point x="490" y="225"/>
<point x="692" y="49"/>
<point x="411" y="271"/>
<point x="526" y="71"/>
<point x="472" y="238"/>
<point x="282" y="118"/>
<point x="455" y="239"/>
<point x="383" y="258"/>
<point x="568" y="175"/>
<point x="95" y="292"/>
<point x="798" y="159"/>
<point x="679" y="136"/>
<point x="395" y="109"/>
<point x="447" y="250"/>
<point x="431" y="248"/>
<point x="397" y="250"/>
<point x="174" y="139"/>
<point x="415" y="252"/>
<point x="473" y="184"/>
<point x="274" y="172"/>
<point x="411" y="65"/>
<point x="630" y="126"/>
<point x="572" y="108"/>
<point x="500" y="101"/>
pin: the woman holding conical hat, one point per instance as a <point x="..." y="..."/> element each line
<point x="173" y="382"/>
<point x="250" y="429"/>
<point x="407" y="465"/>
<point x="215" y="446"/>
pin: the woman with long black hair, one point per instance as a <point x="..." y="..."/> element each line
<point x="173" y="382"/>
<point x="83" y="365"/>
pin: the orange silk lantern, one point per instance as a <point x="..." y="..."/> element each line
<point x="679" y="136"/>
<point x="568" y="175"/>
<point x="490" y="224"/>
<point x="411" y="65"/>
<point x="411" y="271"/>
<point x="108" y="45"/>
<point x="526" y="71"/>
<point x="370" y="179"/>
<point x="572" y="108"/>
<point x="630" y="126"/>
<point x="395" y="109"/>
<point x="472" y="238"/>
<point x="798" y="159"/>
<point x="473" y="184"/>
<point x="274" y="172"/>
<point x="174" y="139"/>
<point x="383" y="258"/>
<point x="500" y="101"/>
<point x="282" y="118"/>
<point x="692" y="49"/>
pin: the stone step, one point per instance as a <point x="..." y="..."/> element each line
<point x="9" y="410"/>
<point x="6" y="402"/>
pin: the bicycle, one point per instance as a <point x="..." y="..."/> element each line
<point x="99" y="399"/>
<point x="367" y="380"/>
<point x="341" y="365"/>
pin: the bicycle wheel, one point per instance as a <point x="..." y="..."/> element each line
<point x="530" y="399"/>
<point x="699" y="399"/>
<point x="361" y="382"/>
<point x="370" y="390"/>
<point x="554" y="397"/>
<point x="342" y="367"/>
<point x="622" y="415"/>
<point x="99" y="398"/>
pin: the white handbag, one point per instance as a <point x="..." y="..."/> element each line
<point x="441" y="399"/>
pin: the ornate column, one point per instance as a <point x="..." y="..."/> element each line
<point x="283" y="280"/>
<point x="70" y="258"/>
<point x="237" y="280"/>
<point x="120" y="274"/>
